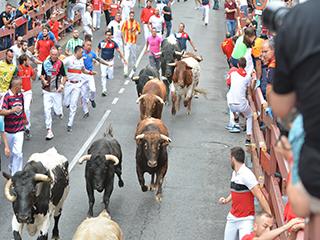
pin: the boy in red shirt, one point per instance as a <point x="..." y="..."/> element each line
<point x="227" y="46"/>
<point x="26" y="73"/>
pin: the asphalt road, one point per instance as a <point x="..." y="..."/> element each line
<point x="199" y="168"/>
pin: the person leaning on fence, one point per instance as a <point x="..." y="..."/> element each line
<point x="6" y="21"/>
<point x="244" y="187"/>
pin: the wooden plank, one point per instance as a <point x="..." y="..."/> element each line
<point x="257" y="170"/>
<point x="6" y="32"/>
<point x="266" y="163"/>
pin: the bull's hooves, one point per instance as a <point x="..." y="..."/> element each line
<point x="121" y="183"/>
<point x="152" y="188"/>
<point x="144" y="188"/>
<point x="158" y="198"/>
<point x="89" y="215"/>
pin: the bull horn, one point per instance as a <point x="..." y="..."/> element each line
<point x="178" y="53"/>
<point x="84" y="158"/>
<point x="172" y="64"/>
<point x="165" y="138"/>
<point x="112" y="158"/>
<point x="7" y="193"/>
<point x="140" y="136"/>
<point x="159" y="99"/>
<point x="135" y="78"/>
<point x="151" y="77"/>
<point x="41" y="177"/>
<point x="139" y="98"/>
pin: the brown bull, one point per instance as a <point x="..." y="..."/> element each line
<point x="152" y="99"/>
<point x="151" y="153"/>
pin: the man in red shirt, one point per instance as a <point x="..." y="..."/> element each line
<point x="227" y="46"/>
<point x="96" y="14"/>
<point x="26" y="72"/>
<point x="54" y="26"/>
<point x="230" y="8"/>
<point x="146" y="13"/>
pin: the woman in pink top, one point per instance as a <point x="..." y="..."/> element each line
<point x="154" y="43"/>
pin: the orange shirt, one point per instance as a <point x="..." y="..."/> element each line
<point x="106" y="4"/>
<point x="130" y="30"/>
<point x="25" y="73"/>
<point x="146" y="13"/>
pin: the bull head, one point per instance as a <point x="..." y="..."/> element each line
<point x="156" y="96"/>
<point x="108" y="157"/>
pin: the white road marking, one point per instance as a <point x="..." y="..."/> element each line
<point x="126" y="82"/>
<point x="115" y="100"/>
<point x="138" y="60"/>
<point x="89" y="140"/>
<point x="121" y="90"/>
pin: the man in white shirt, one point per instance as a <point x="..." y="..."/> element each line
<point x="156" y="21"/>
<point x="16" y="48"/>
<point x="116" y="26"/>
<point x="81" y="7"/>
<point x="87" y="22"/>
<point x="75" y="68"/>
<point x="243" y="5"/>
<point x="126" y="6"/>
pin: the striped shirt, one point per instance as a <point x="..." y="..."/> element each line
<point x="13" y="122"/>
<point x="130" y="28"/>
<point x="72" y="43"/>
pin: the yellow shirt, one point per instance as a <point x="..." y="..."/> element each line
<point x="6" y="74"/>
<point x="257" y="48"/>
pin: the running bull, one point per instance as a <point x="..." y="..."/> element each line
<point x="37" y="193"/>
<point x="104" y="158"/>
<point x="152" y="139"/>
<point x="185" y="79"/>
<point x="145" y="75"/>
<point x="153" y="97"/>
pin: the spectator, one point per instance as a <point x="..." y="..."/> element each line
<point x="154" y="44"/>
<point x="145" y="15"/>
<point x="244" y="187"/>
<point x="227" y="46"/>
<point x="26" y="73"/>
<point x="231" y="9"/>
<point x="96" y="15"/>
<point x="116" y="26"/>
<point x="106" y="48"/>
<point x="130" y="29"/>
<point x="51" y="36"/>
<point x="243" y="6"/>
<point x="16" y="48"/>
<point x="6" y="22"/>
<point x="205" y="5"/>
<point x="7" y="71"/>
<point x="167" y="15"/>
<point x="53" y="78"/>
<point x="73" y="42"/>
<point x="87" y="22"/>
<point x="182" y="38"/>
<point x="126" y="6"/>
<point x="263" y="224"/>
<point x="14" y="122"/>
<point x="54" y="26"/>
<point x="81" y="7"/>
<point x="256" y="55"/>
<point x="156" y="21"/>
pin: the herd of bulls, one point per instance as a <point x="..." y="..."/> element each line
<point x="39" y="190"/>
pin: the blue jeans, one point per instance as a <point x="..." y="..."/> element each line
<point x="168" y="26"/>
<point x="244" y="9"/>
<point x="231" y="27"/>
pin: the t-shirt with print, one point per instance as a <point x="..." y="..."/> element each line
<point x="13" y="122"/>
<point x="52" y="71"/>
<point x="7" y="71"/>
<point x="88" y="59"/>
<point x="107" y="49"/>
<point x="25" y="72"/>
<point x="74" y="68"/>
<point x="44" y="47"/>
<point x="5" y="15"/>
<point x="182" y="39"/>
<point x="116" y="29"/>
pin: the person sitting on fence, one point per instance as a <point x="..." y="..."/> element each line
<point x="263" y="224"/>
<point x="244" y="187"/>
<point x="6" y="21"/>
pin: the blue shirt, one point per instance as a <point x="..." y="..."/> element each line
<point x="107" y="49"/>
<point x="182" y="39"/>
<point x="51" y="36"/>
<point x="88" y="59"/>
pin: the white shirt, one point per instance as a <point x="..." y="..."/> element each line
<point x="116" y="29"/>
<point x="243" y="2"/>
<point x="16" y="54"/>
<point x="72" y="63"/>
<point x="87" y="21"/>
<point x="249" y="67"/>
<point x="83" y="1"/>
<point x="156" y="22"/>
<point x="126" y="6"/>
<point x="238" y="88"/>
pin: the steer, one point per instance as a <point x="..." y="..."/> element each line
<point x="104" y="158"/>
<point x="185" y="78"/>
<point x="151" y="153"/>
<point x="98" y="228"/>
<point x="152" y="99"/>
<point x="37" y="193"/>
<point x="145" y="75"/>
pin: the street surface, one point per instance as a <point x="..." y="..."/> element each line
<point x="199" y="167"/>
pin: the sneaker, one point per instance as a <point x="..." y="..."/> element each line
<point x="86" y="115"/>
<point x="104" y="94"/>
<point x="60" y="116"/>
<point x="248" y="142"/>
<point x="49" y="135"/>
<point x="93" y="103"/>
<point x="69" y="129"/>
<point x="228" y="127"/>
<point x="206" y="24"/>
<point x="234" y="129"/>
<point x="28" y="134"/>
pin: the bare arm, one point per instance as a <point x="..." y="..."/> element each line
<point x="121" y="55"/>
<point x="256" y="191"/>
<point x="226" y="200"/>
<point x="6" y="145"/>
<point x="192" y="45"/>
<point x="282" y="104"/>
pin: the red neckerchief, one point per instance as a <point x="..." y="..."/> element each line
<point x="242" y="72"/>
<point x="272" y="63"/>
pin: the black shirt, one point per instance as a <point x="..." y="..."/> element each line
<point x="4" y="15"/>
<point x="167" y="17"/>
<point x="298" y="70"/>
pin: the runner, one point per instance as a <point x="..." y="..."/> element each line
<point x="146" y="13"/>
<point x="156" y="21"/>
<point x="154" y="44"/>
<point x="182" y="37"/>
<point x="116" y="26"/>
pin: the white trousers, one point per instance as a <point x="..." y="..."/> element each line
<point x="39" y="70"/>
<point x="236" y="230"/>
<point x="106" y="73"/>
<point x="120" y="44"/>
<point x="245" y="109"/>
<point x="51" y="100"/>
<point x="15" y="141"/>
<point x="87" y="30"/>
<point x="27" y="98"/>
<point x="89" y="86"/>
<point x="96" y="19"/>
<point x="81" y="7"/>
<point x="205" y="13"/>
<point x="146" y="31"/>
<point x="130" y="52"/>
<point x="71" y="96"/>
